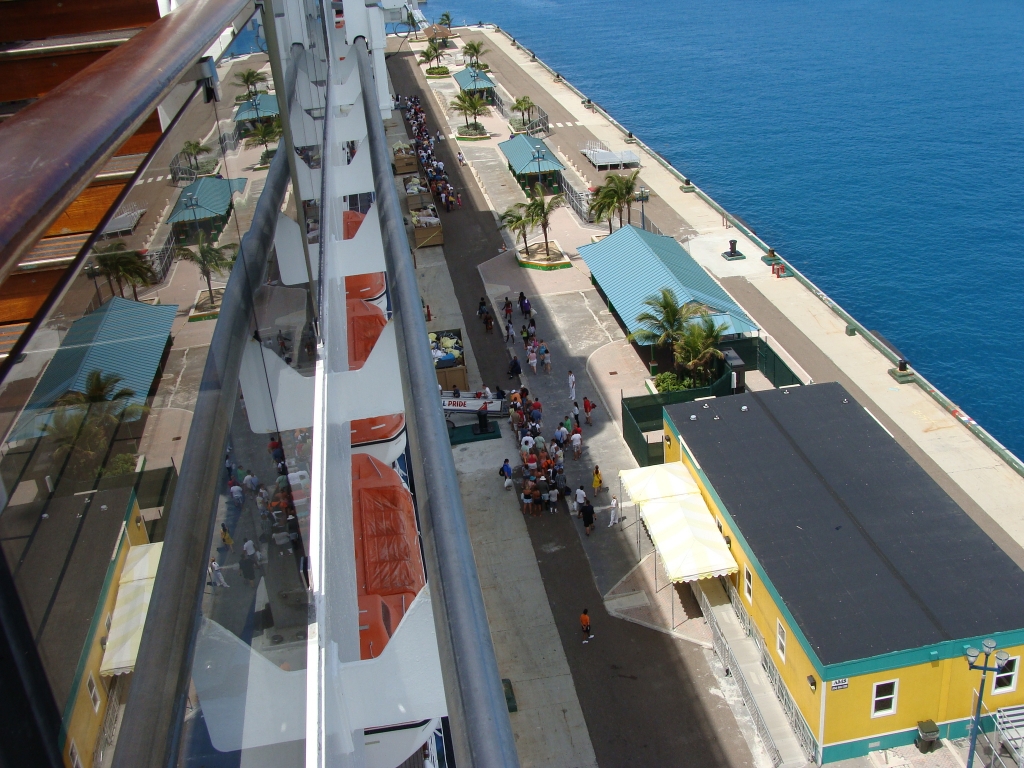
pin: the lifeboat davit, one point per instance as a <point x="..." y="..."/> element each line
<point x="382" y="437"/>
<point x="389" y="569"/>
<point x="371" y="287"/>
<point x="365" y="323"/>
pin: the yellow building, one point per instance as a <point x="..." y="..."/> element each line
<point x="861" y="580"/>
<point x="116" y="607"/>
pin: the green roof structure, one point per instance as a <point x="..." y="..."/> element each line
<point x="632" y="265"/>
<point x="122" y="337"/>
<point x="519" y="151"/>
<point x="470" y="79"/>
<point x="206" y="198"/>
<point x="264" y="105"/>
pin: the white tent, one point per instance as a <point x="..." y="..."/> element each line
<point x="659" y="481"/>
<point x="689" y="542"/>
<point x="134" y="592"/>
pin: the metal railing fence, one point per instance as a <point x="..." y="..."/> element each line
<point x="578" y="200"/>
<point x="725" y="654"/>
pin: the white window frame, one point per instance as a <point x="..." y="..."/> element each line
<point x="895" y="697"/>
<point x="781" y="636"/>
<point x="748" y="584"/>
<point x="73" y="756"/>
<point x="1013" y="677"/>
<point x="94" y="692"/>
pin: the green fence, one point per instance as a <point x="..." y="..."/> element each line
<point x="644" y="413"/>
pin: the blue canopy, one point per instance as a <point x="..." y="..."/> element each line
<point x="633" y="265"/>
<point x="264" y="105"/>
<point x="206" y="198"/>
<point x="519" y="151"/>
<point x="122" y="337"/>
<point x="470" y="79"/>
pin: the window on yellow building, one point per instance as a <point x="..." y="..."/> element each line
<point x="1005" y="680"/>
<point x="94" y="694"/>
<point x="76" y="759"/>
<point x="883" y="700"/>
<point x="780" y="639"/>
<point x="748" y="584"/>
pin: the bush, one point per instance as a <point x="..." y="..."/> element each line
<point x="437" y="70"/>
<point x="122" y="464"/>
<point x="473" y="129"/>
<point x="669" y="382"/>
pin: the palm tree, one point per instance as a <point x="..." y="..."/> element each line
<point x="469" y="105"/>
<point x="414" y="28"/>
<point x="264" y="134"/>
<point x="193" y="149"/>
<point x="118" y="263"/>
<point x="473" y="50"/>
<point x="602" y="209"/>
<point x="665" y="321"/>
<point x="621" y="191"/>
<point x="251" y="80"/>
<point x="102" y="395"/>
<point x="699" y="345"/>
<point x="431" y="52"/>
<point x="446" y="20"/>
<point x="516" y="221"/>
<point x="209" y="259"/>
<point x="538" y="211"/>
<point x="81" y="438"/>
<point x="523" y="105"/>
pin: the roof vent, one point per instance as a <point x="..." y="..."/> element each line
<point x="693" y="417"/>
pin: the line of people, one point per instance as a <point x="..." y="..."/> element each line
<point x="423" y="143"/>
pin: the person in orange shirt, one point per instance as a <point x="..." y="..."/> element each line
<point x="585" y="626"/>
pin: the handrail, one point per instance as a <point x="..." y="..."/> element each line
<point x="52" y="149"/>
<point x="476" y="700"/>
<point x="151" y="728"/>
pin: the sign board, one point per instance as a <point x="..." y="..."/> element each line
<point x="471" y="405"/>
<point x="842" y="682"/>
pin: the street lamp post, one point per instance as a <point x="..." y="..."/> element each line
<point x="988" y="648"/>
<point x="538" y="155"/>
<point x="643" y="195"/>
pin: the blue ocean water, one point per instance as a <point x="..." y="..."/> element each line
<point x="877" y="145"/>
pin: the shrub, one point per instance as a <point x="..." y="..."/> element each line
<point x="669" y="382"/>
<point x="473" y="129"/>
<point x="122" y="464"/>
<point x="437" y="70"/>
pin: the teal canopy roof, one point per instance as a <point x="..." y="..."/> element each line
<point x="470" y="79"/>
<point x="122" y="337"/>
<point x="264" y="105"/>
<point x="519" y="152"/>
<point x="632" y="265"/>
<point x="205" y="198"/>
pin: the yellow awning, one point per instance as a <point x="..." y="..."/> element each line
<point x="657" y="482"/>
<point x="134" y="592"/>
<point x="687" y="539"/>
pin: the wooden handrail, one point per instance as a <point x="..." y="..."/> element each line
<point x="52" y="149"/>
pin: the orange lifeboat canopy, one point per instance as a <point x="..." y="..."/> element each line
<point x="350" y="221"/>
<point x="365" y="323"/>
<point x="369" y="287"/>
<point x="389" y="570"/>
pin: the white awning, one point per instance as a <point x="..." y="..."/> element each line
<point x="687" y="538"/>
<point x="658" y="482"/>
<point x="133" y="595"/>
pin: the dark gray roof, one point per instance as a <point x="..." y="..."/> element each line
<point x="867" y="552"/>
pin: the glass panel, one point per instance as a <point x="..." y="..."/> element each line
<point x="96" y="417"/>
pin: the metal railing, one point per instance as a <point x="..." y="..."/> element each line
<point x="796" y="719"/>
<point x="578" y="200"/>
<point x="725" y="654"/>
<point x="473" y="689"/>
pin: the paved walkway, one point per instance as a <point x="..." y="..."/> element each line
<point x="647" y="697"/>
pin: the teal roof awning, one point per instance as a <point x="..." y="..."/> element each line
<point x="470" y="79"/>
<point x="264" y="105"/>
<point x="123" y="337"/>
<point x="205" y="198"/>
<point x="633" y="265"/>
<point x="519" y="152"/>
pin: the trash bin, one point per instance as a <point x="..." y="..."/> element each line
<point x="927" y="736"/>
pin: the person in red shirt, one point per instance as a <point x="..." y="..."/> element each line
<point x="588" y="408"/>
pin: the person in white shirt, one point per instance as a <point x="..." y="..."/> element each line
<point x="581" y="499"/>
<point x="527" y="442"/>
<point x="614" y="510"/>
<point x="216" y="577"/>
<point x="572" y="386"/>
<point x="487" y="394"/>
<point x="577" y="445"/>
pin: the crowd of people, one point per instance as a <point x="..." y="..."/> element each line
<point x="423" y="143"/>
